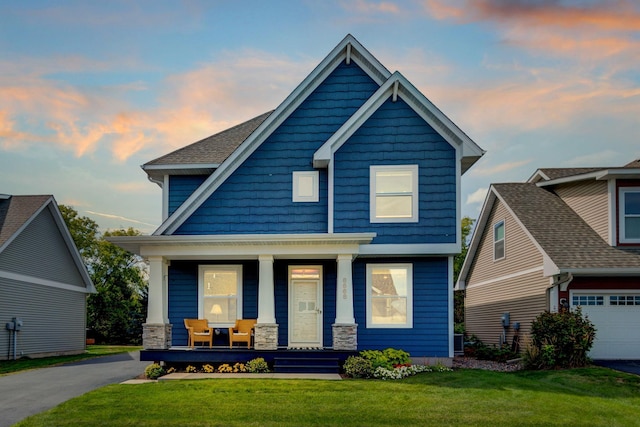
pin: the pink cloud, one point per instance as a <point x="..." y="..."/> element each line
<point x="190" y="105"/>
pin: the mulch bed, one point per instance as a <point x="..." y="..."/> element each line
<point x="489" y="365"/>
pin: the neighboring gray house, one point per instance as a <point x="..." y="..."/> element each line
<point x="43" y="281"/>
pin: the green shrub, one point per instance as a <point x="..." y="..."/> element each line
<point x="397" y="357"/>
<point x="257" y="365"/>
<point x="561" y="340"/>
<point x="153" y="371"/>
<point x="358" y="367"/>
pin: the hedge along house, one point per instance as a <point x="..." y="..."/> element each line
<point x="333" y="219"/>
<point x="43" y="281"/>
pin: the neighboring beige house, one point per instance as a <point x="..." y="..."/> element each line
<point x="566" y="237"/>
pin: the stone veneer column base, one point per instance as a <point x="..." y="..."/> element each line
<point x="265" y="336"/>
<point x="345" y="336"/>
<point x="156" y="336"/>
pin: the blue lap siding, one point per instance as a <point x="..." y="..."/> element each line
<point x="429" y="336"/>
<point x="396" y="135"/>
<point x="256" y="198"/>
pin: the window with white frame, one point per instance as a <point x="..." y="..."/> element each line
<point x="305" y="186"/>
<point x="220" y="294"/>
<point x="389" y="295"/>
<point x="394" y="193"/>
<point x="629" y="214"/>
<point x="498" y="241"/>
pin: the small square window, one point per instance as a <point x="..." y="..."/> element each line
<point x="305" y="186"/>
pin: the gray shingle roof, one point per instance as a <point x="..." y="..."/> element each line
<point x="212" y="150"/>
<point x="563" y="235"/>
<point x="15" y="211"/>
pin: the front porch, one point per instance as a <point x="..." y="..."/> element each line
<point x="283" y="360"/>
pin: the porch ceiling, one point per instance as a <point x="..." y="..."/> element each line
<point x="243" y="246"/>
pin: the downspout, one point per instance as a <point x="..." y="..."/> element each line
<point x="562" y="282"/>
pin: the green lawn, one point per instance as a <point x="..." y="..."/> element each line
<point x="590" y="396"/>
<point x="9" y="366"/>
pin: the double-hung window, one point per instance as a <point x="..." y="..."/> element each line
<point x="498" y="241"/>
<point x="629" y="214"/>
<point x="389" y="295"/>
<point x="394" y="193"/>
<point x="220" y="294"/>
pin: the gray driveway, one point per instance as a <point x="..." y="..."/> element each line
<point x="30" y="392"/>
<point x="630" y="366"/>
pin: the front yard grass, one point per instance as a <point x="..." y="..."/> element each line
<point x="9" y="366"/>
<point x="589" y="396"/>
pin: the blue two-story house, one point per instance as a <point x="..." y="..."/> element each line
<point x="332" y="220"/>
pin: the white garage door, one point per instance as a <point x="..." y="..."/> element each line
<point x="616" y="317"/>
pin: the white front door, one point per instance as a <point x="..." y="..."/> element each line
<point x="305" y="306"/>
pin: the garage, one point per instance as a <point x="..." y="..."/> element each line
<point x="616" y="316"/>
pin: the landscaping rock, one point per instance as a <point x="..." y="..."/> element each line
<point x="488" y="365"/>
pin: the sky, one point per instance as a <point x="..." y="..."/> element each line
<point x="89" y="91"/>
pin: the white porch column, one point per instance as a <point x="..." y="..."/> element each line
<point x="156" y="332"/>
<point x="344" y="290"/>
<point x="266" y="293"/>
<point x="157" y="291"/>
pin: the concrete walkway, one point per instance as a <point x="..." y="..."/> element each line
<point x="31" y="392"/>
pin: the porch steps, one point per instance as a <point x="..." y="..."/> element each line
<point x="316" y="365"/>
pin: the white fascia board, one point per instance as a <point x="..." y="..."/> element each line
<point x="243" y="243"/>
<point x="537" y="177"/>
<point x="602" y="272"/>
<point x="568" y="179"/>
<point x="75" y="254"/>
<point x="44" y="282"/>
<point x="620" y="173"/>
<point x="275" y="119"/>
<point x="416" y="100"/>
<point x="177" y="166"/>
<point x="417" y="249"/>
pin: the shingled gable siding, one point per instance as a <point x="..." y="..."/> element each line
<point x="396" y="135"/>
<point x="521" y="294"/>
<point x="183" y="294"/>
<point x="590" y="200"/>
<point x="257" y="197"/>
<point x="181" y="187"/>
<point x="429" y="336"/>
<point x="40" y="251"/>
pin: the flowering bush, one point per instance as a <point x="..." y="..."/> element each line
<point x="257" y="365"/>
<point x="154" y="371"/>
<point x="405" y="371"/>
<point x="225" y="368"/>
<point x="171" y="370"/>
<point x="239" y="367"/>
<point x="191" y="369"/>
<point x="208" y="368"/>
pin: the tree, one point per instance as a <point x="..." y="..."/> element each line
<point x="116" y="312"/>
<point x="466" y="225"/>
